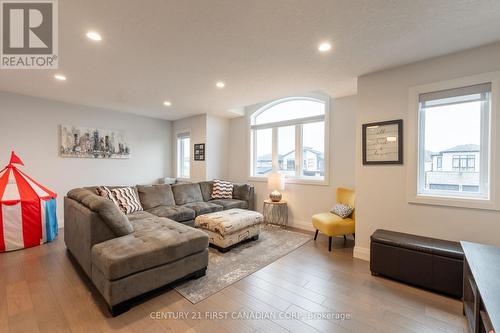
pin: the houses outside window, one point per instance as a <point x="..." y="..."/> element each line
<point x="286" y="131"/>
<point x="454" y="142"/>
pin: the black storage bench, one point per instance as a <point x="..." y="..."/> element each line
<point x="421" y="261"/>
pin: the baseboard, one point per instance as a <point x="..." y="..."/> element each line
<point x="361" y="253"/>
<point x="304" y="225"/>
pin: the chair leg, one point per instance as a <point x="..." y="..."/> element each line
<point x="330" y="240"/>
<point x="316" y="234"/>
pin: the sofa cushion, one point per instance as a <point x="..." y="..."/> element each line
<point x="107" y="210"/>
<point x="206" y="190"/>
<point x="230" y="203"/>
<point x="176" y="213"/>
<point x="203" y="207"/>
<point x="155" y="195"/>
<point x="140" y="216"/>
<point x="154" y="243"/>
<point x="187" y="193"/>
<point x="241" y="192"/>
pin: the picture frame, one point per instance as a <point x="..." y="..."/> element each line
<point x="199" y="152"/>
<point x="90" y="142"/>
<point x="383" y="142"/>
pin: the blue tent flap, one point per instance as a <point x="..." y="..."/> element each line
<point x="51" y="219"/>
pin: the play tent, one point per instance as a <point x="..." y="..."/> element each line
<point x="27" y="209"/>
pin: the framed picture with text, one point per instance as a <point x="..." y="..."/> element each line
<point x="383" y="142"/>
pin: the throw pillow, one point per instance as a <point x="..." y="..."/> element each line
<point x="222" y="189"/>
<point x="105" y="192"/>
<point x="128" y="199"/>
<point x="342" y="210"/>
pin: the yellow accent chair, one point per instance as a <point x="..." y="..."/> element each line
<point x="333" y="225"/>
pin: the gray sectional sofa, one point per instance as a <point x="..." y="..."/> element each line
<point x="127" y="256"/>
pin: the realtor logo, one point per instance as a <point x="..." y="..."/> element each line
<point x="29" y="34"/>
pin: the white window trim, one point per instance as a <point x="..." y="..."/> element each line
<point x="176" y="163"/>
<point x="491" y="203"/>
<point x="483" y="157"/>
<point x="253" y="110"/>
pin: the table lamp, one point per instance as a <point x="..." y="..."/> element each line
<point x="275" y="183"/>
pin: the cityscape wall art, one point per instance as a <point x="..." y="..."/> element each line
<point x="83" y="142"/>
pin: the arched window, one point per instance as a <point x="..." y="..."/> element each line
<point x="286" y="131"/>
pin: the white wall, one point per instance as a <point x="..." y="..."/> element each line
<point x="30" y="126"/>
<point x="381" y="190"/>
<point x="217" y="147"/>
<point x="197" y="126"/>
<point x="214" y="133"/>
<point x="304" y="200"/>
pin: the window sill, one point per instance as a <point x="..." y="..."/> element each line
<point x="183" y="179"/>
<point x="300" y="181"/>
<point x="470" y="203"/>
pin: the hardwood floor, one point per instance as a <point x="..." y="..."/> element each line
<point x="42" y="291"/>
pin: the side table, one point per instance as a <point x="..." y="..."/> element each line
<point x="275" y="212"/>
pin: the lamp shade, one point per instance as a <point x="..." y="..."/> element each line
<point x="276" y="181"/>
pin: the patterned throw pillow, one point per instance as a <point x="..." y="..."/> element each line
<point x="222" y="189"/>
<point x="342" y="210"/>
<point x="128" y="199"/>
<point x="105" y="192"/>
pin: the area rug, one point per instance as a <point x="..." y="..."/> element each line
<point x="225" y="269"/>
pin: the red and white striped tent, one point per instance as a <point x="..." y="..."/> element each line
<point x="27" y="209"/>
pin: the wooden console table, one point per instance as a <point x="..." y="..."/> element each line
<point x="481" y="298"/>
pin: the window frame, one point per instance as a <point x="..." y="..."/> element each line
<point x="255" y="110"/>
<point x="413" y="195"/>
<point x="484" y="157"/>
<point x="179" y="135"/>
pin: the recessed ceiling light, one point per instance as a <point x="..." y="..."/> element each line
<point x="94" y="36"/>
<point x="60" y="77"/>
<point x="167" y="103"/>
<point x="220" y="84"/>
<point x="324" y="47"/>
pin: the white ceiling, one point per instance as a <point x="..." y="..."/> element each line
<point x="157" y="49"/>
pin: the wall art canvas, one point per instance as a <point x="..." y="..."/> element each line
<point x="83" y="142"/>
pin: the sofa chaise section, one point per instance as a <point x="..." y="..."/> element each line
<point x="127" y="261"/>
<point x="158" y="252"/>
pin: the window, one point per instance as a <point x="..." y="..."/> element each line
<point x="439" y="162"/>
<point x="464" y="163"/>
<point x="183" y="155"/>
<point x="289" y="136"/>
<point x="286" y="150"/>
<point x="454" y="130"/>
<point x="263" y="151"/>
<point x="446" y="187"/>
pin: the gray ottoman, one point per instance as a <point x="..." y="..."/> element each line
<point x="230" y="227"/>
